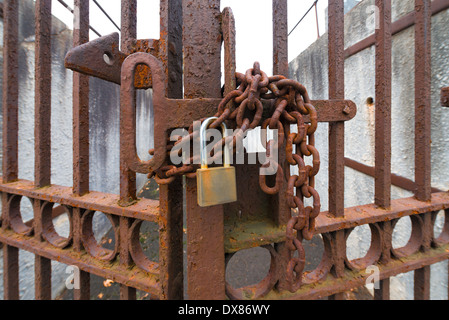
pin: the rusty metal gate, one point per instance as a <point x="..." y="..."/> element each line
<point x="183" y="67"/>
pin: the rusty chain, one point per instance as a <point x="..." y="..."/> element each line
<point x="243" y="110"/>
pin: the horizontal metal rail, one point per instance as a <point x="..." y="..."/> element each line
<point x="144" y="209"/>
<point x="133" y="277"/>
<point x="358" y="278"/>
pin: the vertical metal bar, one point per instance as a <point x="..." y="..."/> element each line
<point x="280" y="209"/>
<point x="128" y="25"/>
<point x="229" y="34"/>
<point x="422" y="283"/>
<point x="336" y="91"/>
<point x="126" y="293"/>
<point x="10" y="133"/>
<point x="10" y="273"/>
<point x="337" y="129"/>
<point x="171" y="229"/>
<point x="80" y="137"/>
<point x="80" y="104"/>
<point x="42" y="134"/>
<point x="170" y="47"/>
<point x="42" y="129"/>
<point x="383" y="105"/>
<point x="280" y="67"/>
<point x="383" y="293"/>
<point x="205" y="226"/>
<point x="171" y="244"/>
<point x="423" y="16"/>
<point x="382" y="195"/>
<point x="42" y="266"/>
<point x="128" y="38"/>
<point x="42" y="278"/>
<point x="280" y="38"/>
<point x="127" y="176"/>
<point x="10" y="89"/>
<point x="83" y="293"/>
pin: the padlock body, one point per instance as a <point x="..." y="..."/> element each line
<point x="216" y="186"/>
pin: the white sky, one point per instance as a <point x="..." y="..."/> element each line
<point x="253" y="25"/>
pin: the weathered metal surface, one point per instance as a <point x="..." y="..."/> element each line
<point x="423" y="113"/>
<point x="396" y="180"/>
<point x="445" y="97"/>
<point x="100" y="58"/>
<point x="81" y="108"/>
<point x="197" y="28"/>
<point x="336" y="132"/>
<point x="370" y="213"/>
<point x="10" y="90"/>
<point x="382" y="190"/>
<point x="171" y="235"/>
<point x="134" y="277"/>
<point x="144" y="209"/>
<point x="258" y="233"/>
<point x="423" y="99"/>
<point x="336" y="91"/>
<point x="202" y="47"/>
<point x="357" y="278"/>
<point x="10" y="106"/>
<point x="42" y="103"/>
<point x="281" y="211"/>
<point x="80" y="144"/>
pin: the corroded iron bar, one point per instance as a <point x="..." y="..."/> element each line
<point x="10" y="135"/>
<point x="423" y="127"/>
<point x="279" y="206"/>
<point x="205" y="226"/>
<point x="128" y="37"/>
<point x="382" y="194"/>
<point x="336" y="91"/>
<point x="171" y="257"/>
<point x="42" y="129"/>
<point x="80" y="105"/>
<point x="144" y="209"/>
<point x="42" y="136"/>
<point x="336" y="131"/>
<point x="80" y="139"/>
<point x="132" y="277"/>
<point x="10" y="90"/>
<point x="423" y="17"/>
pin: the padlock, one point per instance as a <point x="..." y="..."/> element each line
<point x="215" y="185"/>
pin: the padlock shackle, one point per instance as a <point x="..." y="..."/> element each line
<point x="203" y="145"/>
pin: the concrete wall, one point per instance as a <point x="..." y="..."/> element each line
<point x="311" y="69"/>
<point x="104" y="134"/>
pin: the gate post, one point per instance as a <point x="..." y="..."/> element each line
<point x="202" y="79"/>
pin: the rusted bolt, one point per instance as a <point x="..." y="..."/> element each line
<point x="346" y="110"/>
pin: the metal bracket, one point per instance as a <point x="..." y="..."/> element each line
<point x="102" y="58"/>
